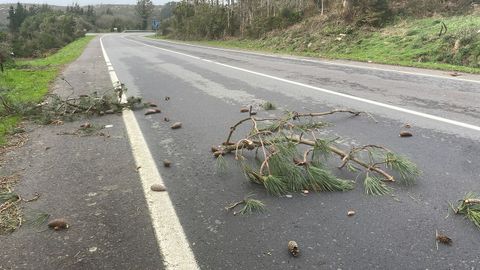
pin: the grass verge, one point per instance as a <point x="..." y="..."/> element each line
<point x="407" y="42"/>
<point x="29" y="80"/>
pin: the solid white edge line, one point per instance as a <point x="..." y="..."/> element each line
<point x="331" y="92"/>
<point x="169" y="233"/>
<point x="324" y="62"/>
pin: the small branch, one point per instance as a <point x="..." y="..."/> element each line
<point x="8" y="205"/>
<point x="342" y="154"/>
<point x="35" y="197"/>
<point x="471" y="201"/>
<point x="297" y="115"/>
<point x="232" y="129"/>
<point x="233" y="205"/>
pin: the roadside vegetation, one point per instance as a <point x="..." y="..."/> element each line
<point x="429" y="34"/>
<point x="27" y="81"/>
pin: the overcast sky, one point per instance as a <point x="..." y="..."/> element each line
<point x="80" y="2"/>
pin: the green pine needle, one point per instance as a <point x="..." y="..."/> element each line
<point x="374" y="186"/>
<point x="221" y="164"/>
<point x="323" y="180"/>
<point x="252" y="206"/>
<point x="321" y="149"/>
<point x="474" y="216"/>
<point x="268" y="106"/>
<point x="36" y="219"/>
<point x="274" y="185"/>
<point x="407" y="170"/>
<point x="8" y="197"/>
<point x="470" y="209"/>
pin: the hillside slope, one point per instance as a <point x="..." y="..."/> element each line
<point x="409" y="42"/>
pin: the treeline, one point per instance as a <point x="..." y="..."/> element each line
<point x="213" y="19"/>
<point x="35" y="30"/>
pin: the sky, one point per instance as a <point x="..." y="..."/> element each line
<point x="81" y="2"/>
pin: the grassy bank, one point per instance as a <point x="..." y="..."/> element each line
<point x="407" y="42"/>
<point x="29" y="80"/>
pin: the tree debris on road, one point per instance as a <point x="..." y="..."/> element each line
<point x="293" y="248"/>
<point x="469" y="206"/>
<point x="405" y="134"/>
<point x="249" y="206"/>
<point x="176" y="125"/>
<point x="293" y="156"/>
<point x="167" y="163"/>
<point x="158" y="187"/>
<point x="58" y="224"/>
<point x="442" y="238"/>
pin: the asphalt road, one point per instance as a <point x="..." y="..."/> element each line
<point x="208" y="86"/>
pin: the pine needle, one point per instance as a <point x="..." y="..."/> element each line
<point x="408" y="171"/>
<point x="474" y="216"/>
<point x="268" y="106"/>
<point x="323" y="180"/>
<point x="470" y="207"/>
<point x="374" y="186"/>
<point x="274" y="185"/>
<point x="221" y="164"/>
<point x="8" y="197"/>
<point x="321" y="149"/>
<point x="251" y="206"/>
<point x="37" y="219"/>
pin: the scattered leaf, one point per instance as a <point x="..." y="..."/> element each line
<point x="166" y="119"/>
<point x="350" y="213"/>
<point x="244" y="110"/>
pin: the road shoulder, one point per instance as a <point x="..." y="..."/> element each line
<point x="90" y="181"/>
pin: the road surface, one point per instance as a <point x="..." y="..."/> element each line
<point x="208" y="86"/>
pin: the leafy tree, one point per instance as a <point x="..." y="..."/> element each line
<point x="16" y="16"/>
<point x="144" y="9"/>
<point x="167" y="10"/>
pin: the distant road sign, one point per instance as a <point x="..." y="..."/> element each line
<point x="155" y="24"/>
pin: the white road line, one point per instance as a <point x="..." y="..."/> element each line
<point x="171" y="238"/>
<point x="364" y="100"/>
<point x="324" y="62"/>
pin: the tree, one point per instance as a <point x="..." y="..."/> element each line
<point x="16" y="16"/>
<point x="144" y="10"/>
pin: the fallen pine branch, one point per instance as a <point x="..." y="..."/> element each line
<point x="294" y="156"/>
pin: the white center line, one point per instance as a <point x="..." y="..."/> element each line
<point x="169" y="233"/>
<point x="331" y="92"/>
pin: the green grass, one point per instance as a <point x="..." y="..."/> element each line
<point x="29" y="80"/>
<point x="407" y="42"/>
